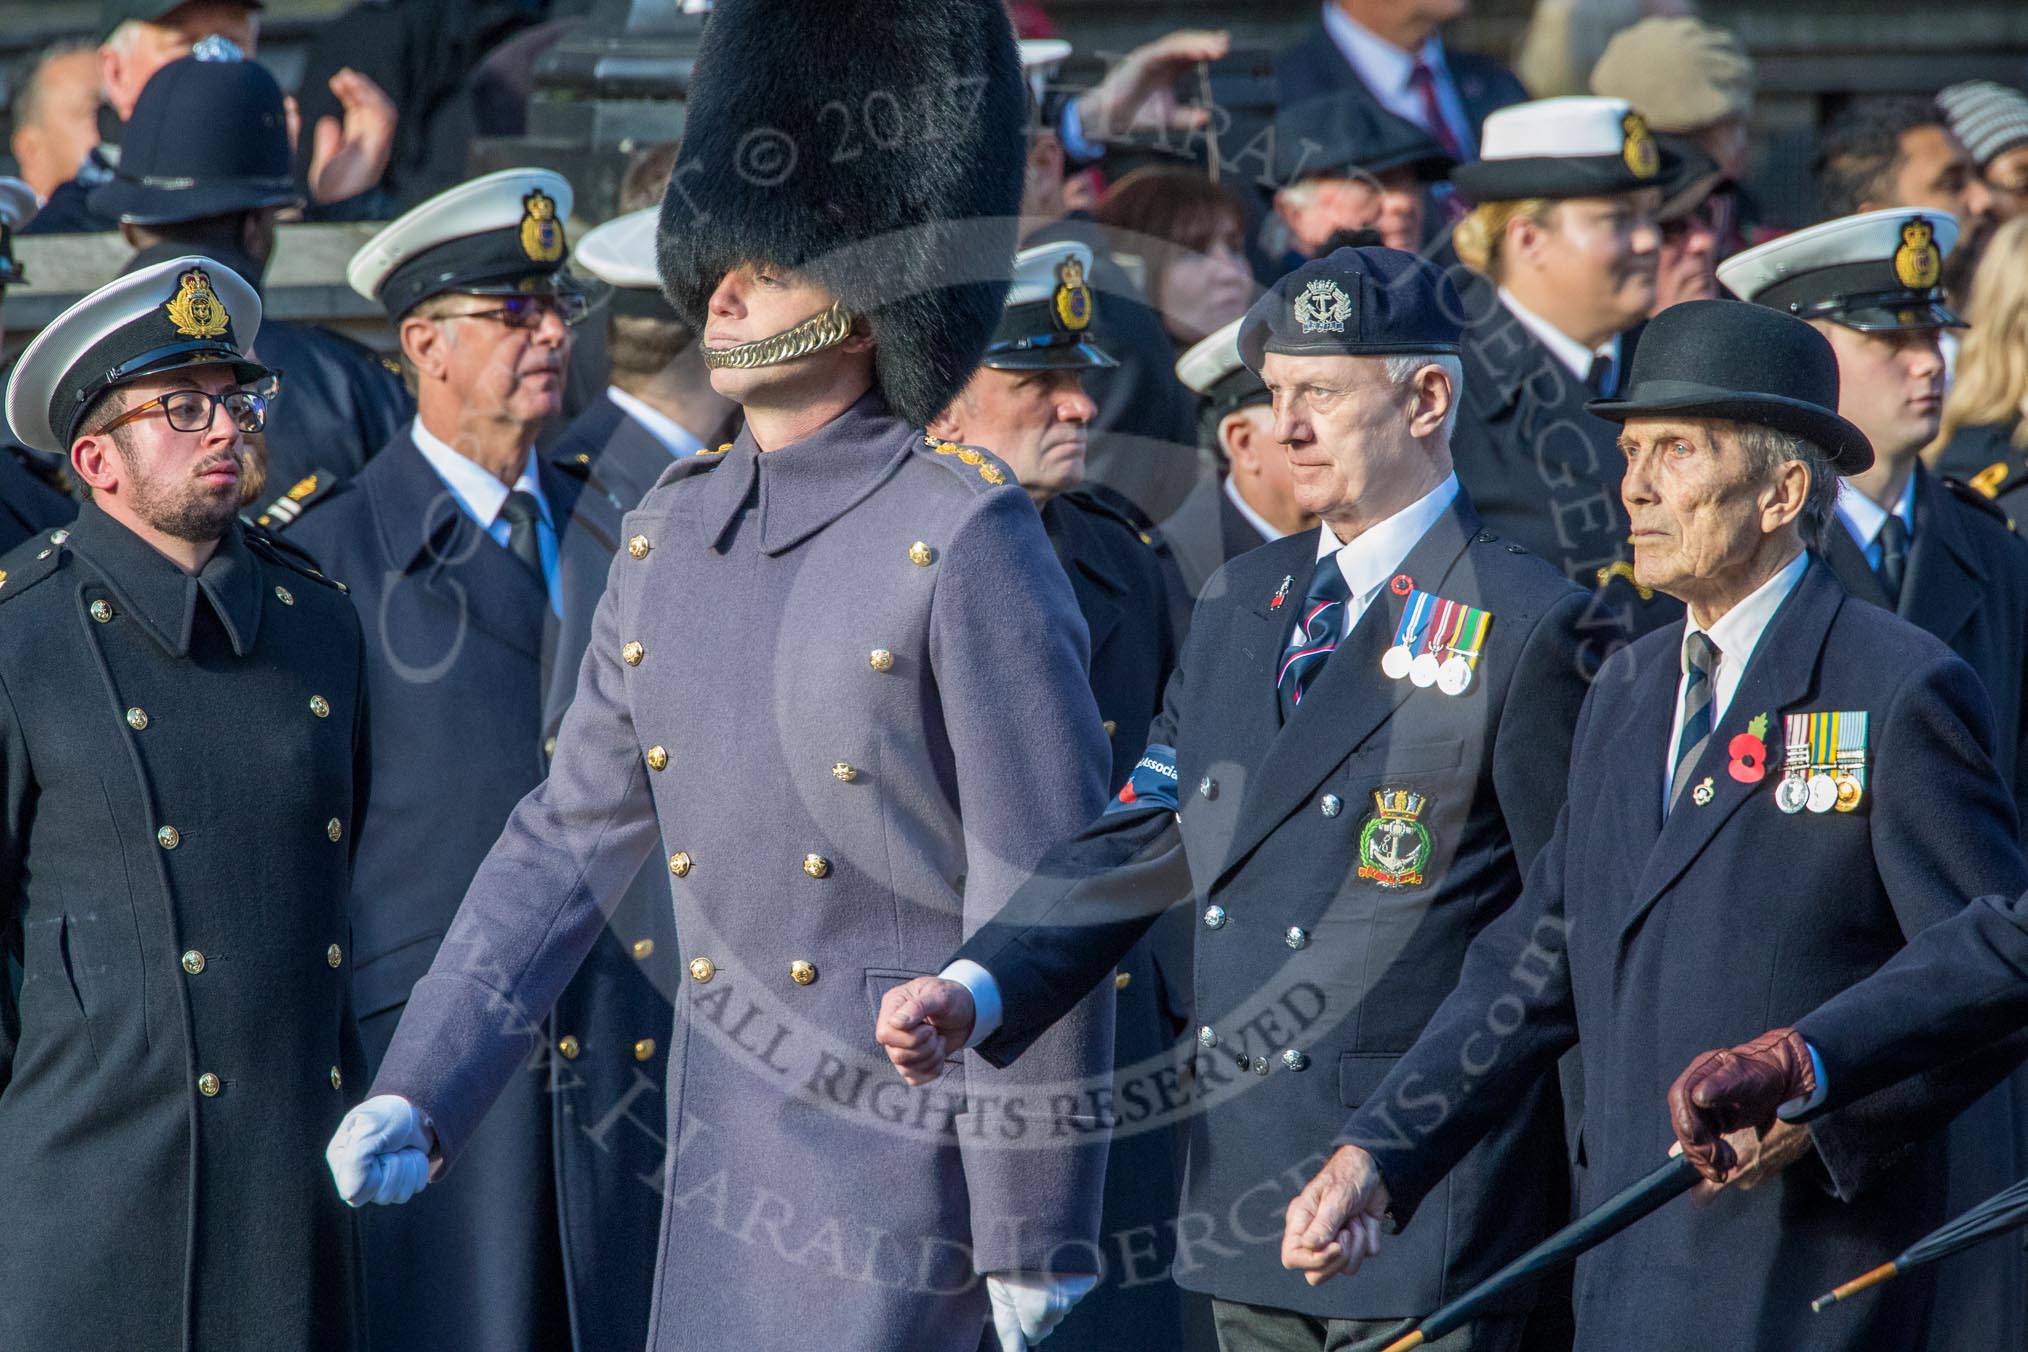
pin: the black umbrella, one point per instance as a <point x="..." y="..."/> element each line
<point x="1621" y="1210"/>
<point x="2003" y="1211"/>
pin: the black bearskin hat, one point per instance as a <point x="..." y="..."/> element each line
<point x="875" y="145"/>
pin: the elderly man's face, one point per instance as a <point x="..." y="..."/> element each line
<point x="1701" y="515"/>
<point x="1033" y="420"/>
<point x="1350" y="433"/>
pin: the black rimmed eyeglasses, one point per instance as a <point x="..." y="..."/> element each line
<point x="193" y="410"/>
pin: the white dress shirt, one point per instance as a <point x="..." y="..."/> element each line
<point x="481" y="495"/>
<point x="1385" y="70"/>
<point x="1864" y="517"/>
<point x="665" y="429"/>
<point x="1736" y="634"/>
<point x="1570" y="354"/>
<point x="1368" y="564"/>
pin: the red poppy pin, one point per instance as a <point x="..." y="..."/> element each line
<point x="1749" y="752"/>
<point x="1402" y="585"/>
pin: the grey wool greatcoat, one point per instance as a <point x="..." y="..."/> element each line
<point x="844" y="681"/>
<point x="184" y="767"/>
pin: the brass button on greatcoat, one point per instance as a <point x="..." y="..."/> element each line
<point x="209" y="1085"/>
<point x="1111" y="727"/>
<point x="282" y="595"/>
<point x="320" y="706"/>
<point x="570" y="1047"/>
<point x="334" y="829"/>
<point x="658" y="758"/>
<point x="334" y="956"/>
<point x="644" y="1049"/>
<point x="679" y="864"/>
<point x="632" y="654"/>
<point x="702" y="970"/>
<point x="102" y="611"/>
<point x="920" y="554"/>
<point x="549" y="746"/>
<point x="193" y="962"/>
<point x="802" y="973"/>
<point x="1121" y="980"/>
<point x="639" y="546"/>
<point x="168" y="837"/>
<point x="844" y="773"/>
<point x="816" y="865"/>
<point x="337" y="1080"/>
<point x="643" y="947"/>
<point x="880" y="659"/>
<point x="137" y="718"/>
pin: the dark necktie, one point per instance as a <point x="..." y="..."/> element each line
<point x="1319" y="626"/>
<point x="1599" y="379"/>
<point x="1893" y="556"/>
<point x="523" y="516"/>
<point x="1422" y="80"/>
<point x="1700" y="656"/>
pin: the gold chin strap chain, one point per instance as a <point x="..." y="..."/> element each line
<point x="828" y="328"/>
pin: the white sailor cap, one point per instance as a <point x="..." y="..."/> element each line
<point x="1214" y="369"/>
<point x="188" y="311"/>
<point x="1876" y="271"/>
<point x="1576" y="145"/>
<point x="1050" y="310"/>
<point x="499" y="234"/>
<point x="17" y="208"/>
<point x="621" y="253"/>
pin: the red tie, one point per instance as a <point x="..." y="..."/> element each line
<point x="1423" y="81"/>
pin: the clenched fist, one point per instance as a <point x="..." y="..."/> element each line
<point x="924" y="1023"/>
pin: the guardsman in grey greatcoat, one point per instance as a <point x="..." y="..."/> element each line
<point x="839" y="672"/>
<point x="183" y="761"/>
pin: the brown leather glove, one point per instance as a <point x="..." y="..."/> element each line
<point x="1732" y="1090"/>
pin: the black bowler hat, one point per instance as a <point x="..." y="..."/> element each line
<point x="1372" y="301"/>
<point x="1575" y="145"/>
<point x="1345" y="134"/>
<point x="1744" y="363"/>
<point x="208" y="136"/>
<point x="1046" y="324"/>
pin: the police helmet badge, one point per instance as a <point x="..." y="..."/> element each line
<point x="1073" y="297"/>
<point x="1639" y="150"/>
<point x="195" y="309"/>
<point x="1918" y="263"/>
<point x="541" y="232"/>
<point x="1323" y="307"/>
<point x="1394" y="846"/>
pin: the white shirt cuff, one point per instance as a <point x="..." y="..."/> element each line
<point x="1070" y="130"/>
<point x="1794" y="1108"/>
<point x="985" y="997"/>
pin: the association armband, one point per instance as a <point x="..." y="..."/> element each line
<point x="1153" y="783"/>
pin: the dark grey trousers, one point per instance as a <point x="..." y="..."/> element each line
<point x="1261" y="1328"/>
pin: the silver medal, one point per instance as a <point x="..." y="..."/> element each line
<point x="1823" y="793"/>
<point x="1394" y="664"/>
<point x="1423" y="671"/>
<point x="1454" y="677"/>
<point x="1792" y="795"/>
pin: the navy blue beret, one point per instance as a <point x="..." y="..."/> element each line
<point x="1355" y="303"/>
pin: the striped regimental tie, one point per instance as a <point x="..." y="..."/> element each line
<point x="1700" y="655"/>
<point x="1319" y="626"/>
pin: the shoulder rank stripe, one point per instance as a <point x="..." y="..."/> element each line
<point x="293" y="503"/>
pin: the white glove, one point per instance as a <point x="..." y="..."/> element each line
<point x="380" y="1152"/>
<point x="1027" y="1305"/>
